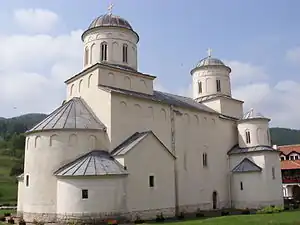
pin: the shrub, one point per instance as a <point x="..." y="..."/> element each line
<point x="245" y="211"/>
<point x="271" y="209"/>
<point x="7" y="214"/>
<point x="2" y="219"/>
<point x="11" y="220"/>
<point x="224" y="213"/>
<point x="181" y="215"/>
<point x="22" y="222"/>
<point x="199" y="213"/>
<point x="138" y="220"/>
<point x="160" y="218"/>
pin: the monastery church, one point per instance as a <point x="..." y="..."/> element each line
<point x="117" y="147"/>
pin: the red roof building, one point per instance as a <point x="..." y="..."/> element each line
<point x="290" y="170"/>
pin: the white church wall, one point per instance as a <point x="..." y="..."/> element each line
<point x="20" y="196"/>
<point x="150" y="158"/>
<point x="127" y="81"/>
<point x="196" y="133"/>
<point x="105" y="195"/>
<point x="259" y="132"/>
<point x="45" y="153"/>
<point x="267" y="189"/>
<point x="115" y="39"/>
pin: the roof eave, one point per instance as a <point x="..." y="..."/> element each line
<point x="208" y="66"/>
<point x="64" y="129"/>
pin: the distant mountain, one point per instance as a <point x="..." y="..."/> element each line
<point x="20" y="124"/>
<point x="285" y="136"/>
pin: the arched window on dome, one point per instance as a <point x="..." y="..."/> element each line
<point x="199" y="87"/>
<point x="218" y="84"/>
<point x="248" y="137"/>
<point x="86" y="56"/>
<point x="125" y="53"/>
<point x="103" y="51"/>
<point x="92" y="53"/>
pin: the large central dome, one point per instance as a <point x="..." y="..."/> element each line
<point x="109" y="20"/>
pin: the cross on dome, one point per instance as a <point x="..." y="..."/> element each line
<point x="110" y="8"/>
<point x="209" y="52"/>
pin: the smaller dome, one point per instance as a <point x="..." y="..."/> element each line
<point x="109" y="20"/>
<point x="209" y="61"/>
<point x="252" y="114"/>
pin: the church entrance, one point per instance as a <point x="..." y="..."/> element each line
<point x="215" y="199"/>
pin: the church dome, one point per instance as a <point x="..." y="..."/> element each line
<point x="209" y="61"/>
<point x="109" y="20"/>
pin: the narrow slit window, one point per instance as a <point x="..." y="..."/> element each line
<point x="200" y="87"/>
<point x="103" y="52"/>
<point x="218" y="83"/>
<point x="27" y="180"/>
<point x="204" y="159"/>
<point x="248" y="138"/>
<point x="125" y="53"/>
<point x="151" y="181"/>
<point x="273" y="173"/>
<point x="241" y="186"/>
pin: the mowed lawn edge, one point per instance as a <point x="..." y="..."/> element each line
<point x="286" y="218"/>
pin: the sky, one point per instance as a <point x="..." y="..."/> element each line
<point x="40" y="47"/>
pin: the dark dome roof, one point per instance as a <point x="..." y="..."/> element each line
<point x="208" y="61"/>
<point x="109" y="20"/>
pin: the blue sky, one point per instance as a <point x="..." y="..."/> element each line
<point x="251" y="35"/>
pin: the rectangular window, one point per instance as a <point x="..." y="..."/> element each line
<point x="241" y="186"/>
<point x="248" y="139"/>
<point x="125" y="55"/>
<point x="200" y="87"/>
<point x="218" y="83"/>
<point x="273" y="173"/>
<point x="292" y="157"/>
<point x="296" y="157"/>
<point x="204" y="159"/>
<point x="27" y="180"/>
<point x="84" y="194"/>
<point x="151" y="181"/>
<point x="103" y="52"/>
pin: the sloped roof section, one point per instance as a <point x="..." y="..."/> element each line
<point x="237" y="150"/>
<point x="163" y="97"/>
<point x="95" y="163"/>
<point x="290" y="164"/>
<point x="74" y="114"/>
<point x="287" y="149"/>
<point x="134" y="140"/>
<point x="246" y="165"/>
<point x="253" y="114"/>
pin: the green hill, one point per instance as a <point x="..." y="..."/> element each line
<point x="12" y="144"/>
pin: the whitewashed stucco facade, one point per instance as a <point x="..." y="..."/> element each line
<point x="118" y="146"/>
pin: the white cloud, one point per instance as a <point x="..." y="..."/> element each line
<point x="36" y="20"/>
<point x="33" y="73"/>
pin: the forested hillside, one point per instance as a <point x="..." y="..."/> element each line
<point x="12" y="144"/>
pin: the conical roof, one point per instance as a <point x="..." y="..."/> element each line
<point x="253" y="114"/>
<point x="74" y="114"/>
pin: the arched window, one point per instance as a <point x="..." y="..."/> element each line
<point x="218" y="83"/>
<point x="204" y="159"/>
<point x="79" y="86"/>
<point x="200" y="87"/>
<point x="86" y="56"/>
<point x="125" y="53"/>
<point x="103" y="51"/>
<point x="248" y="138"/>
<point x="92" y="53"/>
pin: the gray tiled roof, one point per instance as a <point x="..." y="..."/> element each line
<point x="246" y="165"/>
<point x="209" y="61"/>
<point x="252" y="114"/>
<point x="74" y="114"/>
<point x="95" y="163"/>
<point x="237" y="150"/>
<point x="132" y="141"/>
<point x="208" y="97"/>
<point x="163" y="97"/>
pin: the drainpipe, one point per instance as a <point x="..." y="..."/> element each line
<point x="173" y="113"/>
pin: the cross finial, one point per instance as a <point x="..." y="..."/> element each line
<point x="209" y="52"/>
<point x="110" y="8"/>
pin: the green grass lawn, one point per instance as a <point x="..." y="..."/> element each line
<point x="284" y="218"/>
<point x="8" y="185"/>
